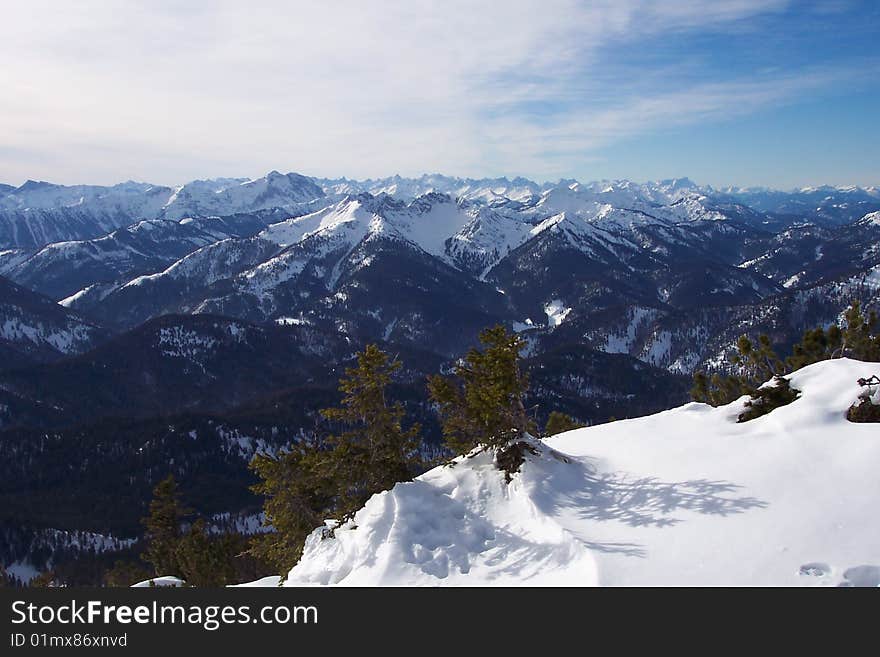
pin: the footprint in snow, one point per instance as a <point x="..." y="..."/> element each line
<point x="815" y="569"/>
<point x="861" y="576"/>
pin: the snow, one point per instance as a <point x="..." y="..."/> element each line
<point x="657" y="349"/>
<point x="556" y="313"/>
<point x="292" y="321"/>
<point x="617" y="343"/>
<point x="67" y="336"/>
<point x="165" y="580"/>
<point x="436" y="530"/>
<point x="22" y="570"/>
<point x="426" y="222"/>
<point x="526" y="325"/>
<point x="178" y="342"/>
<point x="67" y="302"/>
<point x="684" y="497"/>
<point x="432" y="222"/>
<point x="793" y="280"/>
<point x="271" y="580"/>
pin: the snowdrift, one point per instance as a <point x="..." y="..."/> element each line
<point x="164" y="580"/>
<point x="684" y="497"/>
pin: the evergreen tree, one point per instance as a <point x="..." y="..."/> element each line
<point x="125" y="573"/>
<point x="769" y="397"/>
<point x="307" y="484"/>
<point x="816" y="345"/>
<point x="483" y="405"/>
<point x="375" y="452"/>
<point x="46" y="579"/>
<point x="755" y="364"/>
<point x="297" y="499"/>
<point x="208" y="560"/>
<point x="866" y="410"/>
<point x="163" y="530"/>
<point x="701" y="391"/>
<point x="859" y="339"/>
<point x="5" y="579"/>
<point x="758" y="362"/>
<point x="559" y="422"/>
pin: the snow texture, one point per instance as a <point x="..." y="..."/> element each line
<point x="165" y="580"/>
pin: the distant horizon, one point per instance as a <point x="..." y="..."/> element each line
<point x="508" y="177"/>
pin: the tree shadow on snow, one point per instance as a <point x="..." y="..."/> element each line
<point x="576" y="488"/>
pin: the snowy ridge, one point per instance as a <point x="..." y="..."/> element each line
<point x="684" y="497"/>
<point x="40" y="213"/>
<point x="320" y="250"/>
<point x="499" y="534"/>
<point x="470" y="237"/>
<point x="872" y="219"/>
<point x="67" y="339"/>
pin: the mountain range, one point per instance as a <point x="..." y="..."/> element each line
<point x="137" y="315"/>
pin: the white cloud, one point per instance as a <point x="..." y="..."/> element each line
<point x="102" y="91"/>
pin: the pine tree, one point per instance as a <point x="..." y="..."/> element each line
<point x="375" y="452"/>
<point x="816" y="345"/>
<point x="308" y="483"/>
<point x="700" y="391"/>
<point x="483" y="405"/>
<point x="859" y="339"/>
<point x="206" y="559"/>
<point x="297" y="499"/>
<point x="755" y="365"/>
<point x="559" y="422"/>
<point x="44" y="580"/>
<point x="759" y="363"/>
<point x="125" y="573"/>
<point x="866" y="410"/>
<point x="769" y="397"/>
<point x="163" y="530"/>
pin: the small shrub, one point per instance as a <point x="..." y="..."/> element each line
<point x="559" y="422"/>
<point x="769" y="398"/>
<point x="510" y="458"/>
<point x="866" y="410"/>
<point x="125" y="573"/>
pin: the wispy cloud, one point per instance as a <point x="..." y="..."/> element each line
<point x="557" y="148"/>
<point x="108" y="90"/>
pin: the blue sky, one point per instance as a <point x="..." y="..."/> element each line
<point x="727" y="92"/>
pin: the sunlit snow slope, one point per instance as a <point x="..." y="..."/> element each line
<point x="684" y="497"/>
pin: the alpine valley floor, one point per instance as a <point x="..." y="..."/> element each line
<point x="684" y="497"/>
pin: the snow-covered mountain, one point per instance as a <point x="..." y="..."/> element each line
<point x="462" y="262"/>
<point x="666" y="272"/>
<point x="824" y="204"/>
<point x="685" y="497"/>
<point x="39" y="213"/>
<point x="34" y="329"/>
<point x="63" y="268"/>
<point x="660" y="271"/>
<point x="487" y="190"/>
<point x="228" y="196"/>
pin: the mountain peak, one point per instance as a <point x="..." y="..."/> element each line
<point x="33" y="185"/>
<point x="679" y="183"/>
